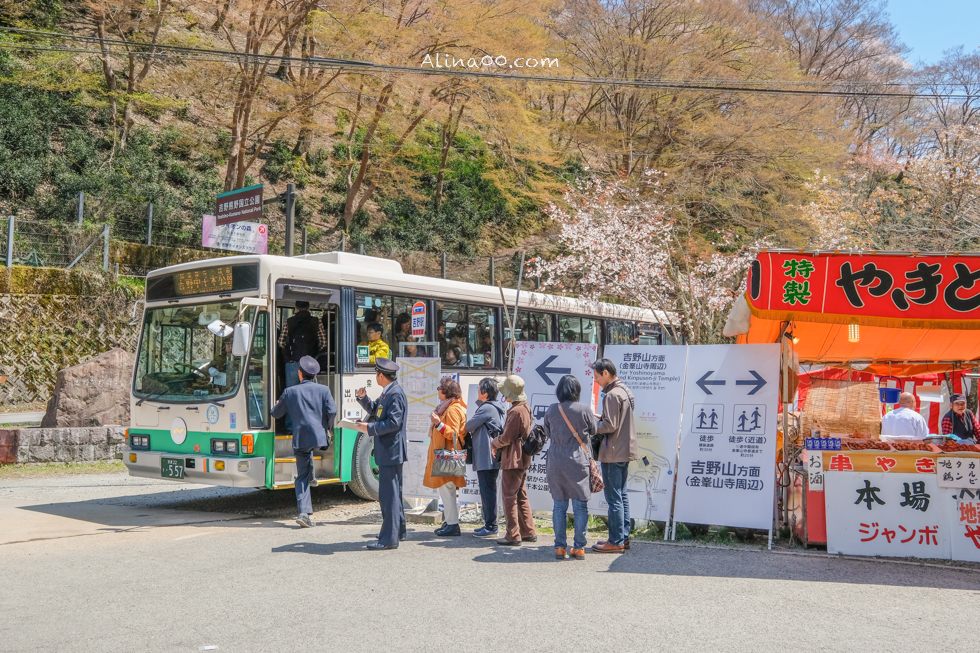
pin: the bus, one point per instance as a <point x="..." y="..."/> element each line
<point x="209" y="370"/>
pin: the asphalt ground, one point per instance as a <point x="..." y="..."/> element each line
<point x="113" y="563"/>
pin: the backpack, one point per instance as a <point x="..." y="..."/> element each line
<point x="534" y="442"/>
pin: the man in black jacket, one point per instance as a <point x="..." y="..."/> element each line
<point x="312" y="409"/>
<point x="387" y="425"/>
<point x="302" y="335"/>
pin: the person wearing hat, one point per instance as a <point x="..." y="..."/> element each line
<point x="387" y="425"/>
<point x="514" y="464"/>
<point x="301" y="335"/>
<point x="960" y="420"/>
<point x="312" y="410"/>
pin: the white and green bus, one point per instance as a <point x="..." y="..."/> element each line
<point x="209" y="370"/>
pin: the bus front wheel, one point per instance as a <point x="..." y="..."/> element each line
<point x="364" y="476"/>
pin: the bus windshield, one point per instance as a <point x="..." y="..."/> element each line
<point x="181" y="360"/>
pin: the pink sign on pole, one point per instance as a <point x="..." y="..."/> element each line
<point x="249" y="237"/>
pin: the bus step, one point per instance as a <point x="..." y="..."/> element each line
<point x="332" y="481"/>
<point x="292" y="460"/>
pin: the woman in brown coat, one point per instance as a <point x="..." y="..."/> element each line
<point x="447" y="432"/>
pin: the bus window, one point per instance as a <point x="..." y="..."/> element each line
<point x="590" y="331"/>
<point x="619" y="332"/>
<point x="578" y="329"/>
<point x="257" y="378"/>
<point x="466" y="335"/>
<point x="181" y="360"/>
<point x="532" y="326"/>
<point x="383" y="323"/>
<point x="649" y="334"/>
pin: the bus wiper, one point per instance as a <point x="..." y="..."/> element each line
<point x="151" y="397"/>
<point x="216" y="402"/>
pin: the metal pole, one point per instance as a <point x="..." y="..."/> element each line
<point x="343" y="242"/>
<point x="105" y="248"/>
<point x="517" y="302"/>
<point x="787" y="490"/>
<point x="304" y="241"/>
<point x="81" y="205"/>
<point x="149" y="227"/>
<point x="443" y="265"/>
<point x="493" y="281"/>
<point x="360" y="249"/>
<point x="290" y="210"/>
<point x="10" y="241"/>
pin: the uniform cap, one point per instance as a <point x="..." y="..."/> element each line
<point x="309" y="365"/>
<point x="385" y="365"/>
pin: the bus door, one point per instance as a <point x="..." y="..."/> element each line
<point x="324" y="305"/>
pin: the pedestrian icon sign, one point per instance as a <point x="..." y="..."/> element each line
<point x="749" y="419"/>
<point x="708" y="418"/>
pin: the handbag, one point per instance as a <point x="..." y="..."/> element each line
<point x="595" y="478"/>
<point x="449" y="462"/>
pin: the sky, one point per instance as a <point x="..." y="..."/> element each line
<point x="931" y="26"/>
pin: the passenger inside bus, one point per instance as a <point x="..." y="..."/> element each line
<point x="376" y="346"/>
<point x="453" y="356"/>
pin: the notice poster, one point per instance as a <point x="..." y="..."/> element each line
<point x="541" y="365"/>
<point x="419" y="378"/>
<point x="655" y="375"/>
<point x="886" y="514"/>
<point x="727" y="464"/>
<point x="249" y="237"/>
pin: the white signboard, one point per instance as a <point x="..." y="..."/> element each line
<point x="250" y="237"/>
<point x="887" y="514"/>
<point x="541" y="365"/>
<point x="419" y="378"/>
<point x="954" y="471"/>
<point x="727" y="464"/>
<point x="655" y="375"/>
<point x="963" y="511"/>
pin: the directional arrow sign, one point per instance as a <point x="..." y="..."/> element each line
<point x="703" y="382"/>
<point x="543" y="370"/>
<point x="758" y="382"/>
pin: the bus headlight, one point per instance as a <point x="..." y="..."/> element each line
<point x="243" y="465"/>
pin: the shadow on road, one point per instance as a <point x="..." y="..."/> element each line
<point x="667" y="560"/>
<point x="320" y="549"/>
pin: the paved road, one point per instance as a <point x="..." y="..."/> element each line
<point x="107" y="564"/>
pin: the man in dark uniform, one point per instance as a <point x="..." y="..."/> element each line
<point x="312" y="409"/>
<point x="302" y="335"/>
<point x="386" y="424"/>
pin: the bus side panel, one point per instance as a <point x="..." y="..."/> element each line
<point x="265" y="445"/>
<point x="344" y="454"/>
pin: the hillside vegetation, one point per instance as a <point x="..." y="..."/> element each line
<point x="407" y="163"/>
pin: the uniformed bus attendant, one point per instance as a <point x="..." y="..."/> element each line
<point x="386" y="424"/>
<point x="312" y="410"/>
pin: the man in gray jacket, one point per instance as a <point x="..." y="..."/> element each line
<point x="618" y="448"/>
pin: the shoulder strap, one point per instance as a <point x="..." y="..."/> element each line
<point x="574" y="432"/>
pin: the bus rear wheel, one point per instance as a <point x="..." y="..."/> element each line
<point x="364" y="476"/>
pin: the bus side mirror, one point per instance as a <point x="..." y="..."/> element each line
<point x="243" y="333"/>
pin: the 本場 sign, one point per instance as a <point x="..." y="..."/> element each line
<point x="878" y="289"/>
<point x="250" y="237"/>
<point x="239" y="205"/>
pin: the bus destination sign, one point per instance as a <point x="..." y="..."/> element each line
<point x="239" y="205"/>
<point x="204" y="281"/>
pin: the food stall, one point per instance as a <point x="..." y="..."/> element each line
<point x="867" y="326"/>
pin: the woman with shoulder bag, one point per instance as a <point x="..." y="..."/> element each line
<point x="486" y="424"/>
<point x="447" y="432"/>
<point x="569" y="425"/>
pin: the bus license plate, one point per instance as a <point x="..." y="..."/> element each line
<point x="172" y="467"/>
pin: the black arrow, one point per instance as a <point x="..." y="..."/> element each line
<point x="544" y="370"/>
<point x="703" y="382"/>
<point x="758" y="382"/>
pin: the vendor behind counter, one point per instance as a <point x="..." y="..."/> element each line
<point x="960" y="421"/>
<point x="904" y="423"/>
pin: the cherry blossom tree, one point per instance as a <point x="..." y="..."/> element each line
<point x="621" y="239"/>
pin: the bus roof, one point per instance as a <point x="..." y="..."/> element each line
<point x="374" y="273"/>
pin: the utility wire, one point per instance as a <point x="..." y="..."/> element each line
<point x="202" y="54"/>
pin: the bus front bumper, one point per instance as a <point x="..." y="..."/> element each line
<point x="237" y="472"/>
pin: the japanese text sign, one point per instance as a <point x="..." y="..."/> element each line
<point x="239" y="205"/>
<point x="418" y="320"/>
<point x="728" y="436"/>
<point x="655" y="376"/>
<point x="893" y="289"/>
<point x="250" y="237"/>
<point x="958" y="472"/>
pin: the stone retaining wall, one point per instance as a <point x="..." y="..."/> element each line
<point x="65" y="445"/>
